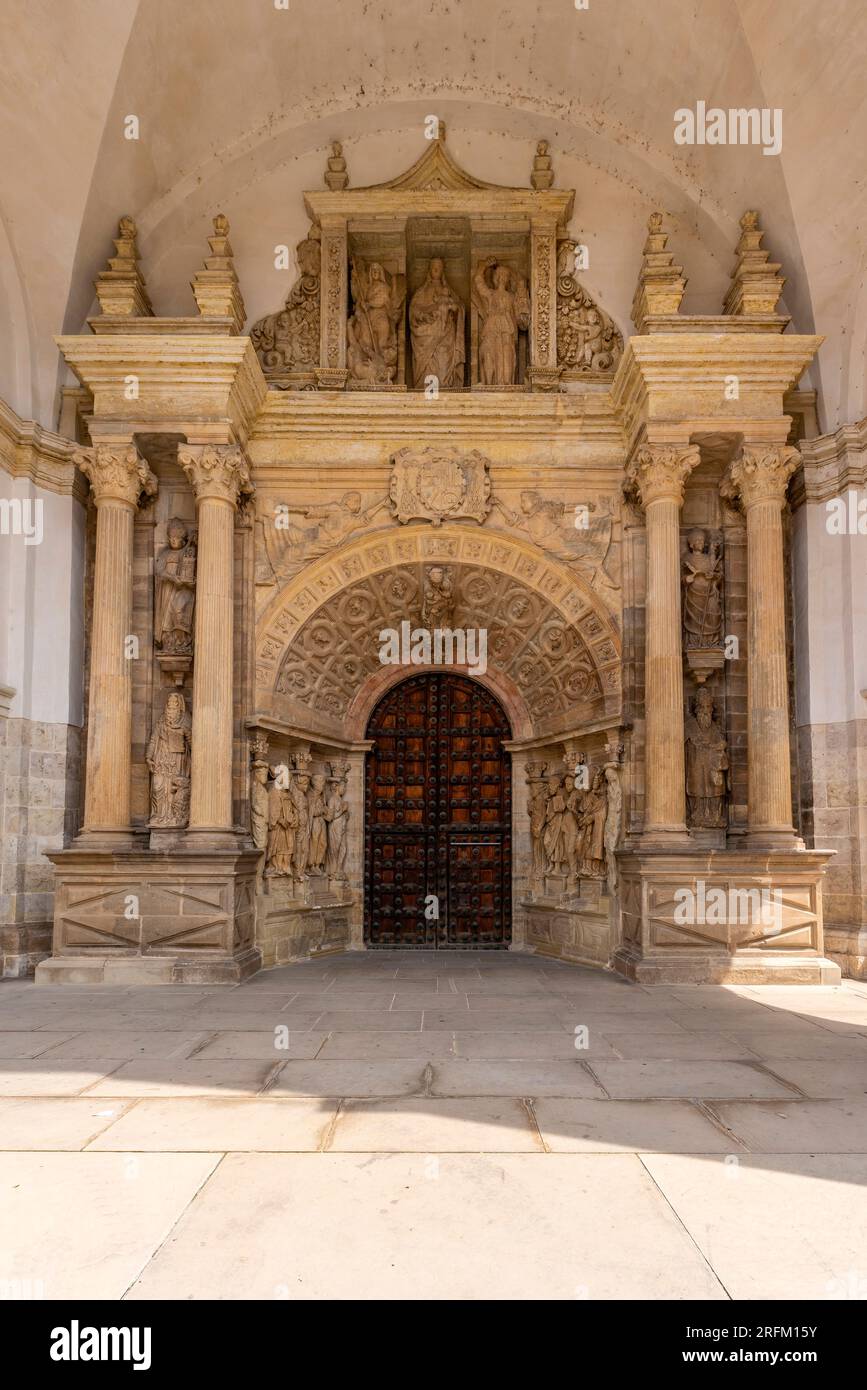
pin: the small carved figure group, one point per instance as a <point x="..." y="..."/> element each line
<point x="300" y="819"/>
<point x="574" y="822"/>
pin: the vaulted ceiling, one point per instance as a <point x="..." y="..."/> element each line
<point x="238" y="100"/>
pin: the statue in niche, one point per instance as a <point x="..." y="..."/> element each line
<point x="561" y="830"/>
<point x="289" y="340"/>
<point x="175" y="583"/>
<point x="552" y="526"/>
<point x="318" y="838"/>
<point x="707" y="765"/>
<point x="436" y="326"/>
<point x="503" y="308"/>
<point x="282" y="826"/>
<point x="536" y="808"/>
<point x="299" y="785"/>
<point x="702" y="591"/>
<point x="439" y="600"/>
<point x="168" y="757"/>
<point x="371" y="332"/>
<point x="259" y="804"/>
<point x="336" y="819"/>
<point x="591" y="848"/>
<point x="613" y="822"/>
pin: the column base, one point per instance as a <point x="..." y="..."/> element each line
<point x="153" y="915"/>
<point x="731" y="916"/>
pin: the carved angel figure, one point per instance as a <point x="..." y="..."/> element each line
<point x="371" y="333"/>
<point x="552" y="526"/>
<point x="293" y="536"/>
<point x="503" y="307"/>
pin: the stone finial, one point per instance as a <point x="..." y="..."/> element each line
<point x="756" y="282"/>
<point x="543" y="169"/>
<point x="120" y="288"/>
<point x="216" y="287"/>
<point x="660" y="282"/>
<point x="336" y="176"/>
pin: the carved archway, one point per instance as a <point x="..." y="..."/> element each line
<point x="553" y="648"/>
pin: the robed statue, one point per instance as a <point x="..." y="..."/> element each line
<point x="503" y="304"/>
<point x="702" y="591"/>
<point x="168" y="758"/>
<point x="436" y="325"/>
<point x="371" y="333"/>
<point x="707" y="765"/>
<point x="175" y="576"/>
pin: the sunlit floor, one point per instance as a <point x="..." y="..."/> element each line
<point x="439" y="1125"/>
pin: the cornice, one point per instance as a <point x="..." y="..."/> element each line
<point x="27" y="450"/>
<point x="832" y="464"/>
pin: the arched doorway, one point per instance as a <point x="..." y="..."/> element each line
<point x="438" y="817"/>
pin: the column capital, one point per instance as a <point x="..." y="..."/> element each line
<point x="659" y="471"/>
<point x="116" y="472"/>
<point x="761" y="473"/>
<point x="216" y="470"/>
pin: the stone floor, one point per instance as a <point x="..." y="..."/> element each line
<point x="402" y="1125"/>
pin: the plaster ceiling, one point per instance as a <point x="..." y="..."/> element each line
<point x="238" y="100"/>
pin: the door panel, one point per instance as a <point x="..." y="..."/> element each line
<point x="438" y="816"/>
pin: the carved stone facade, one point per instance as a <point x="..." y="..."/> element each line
<point x="460" y="442"/>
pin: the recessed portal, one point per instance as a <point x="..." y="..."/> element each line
<point x="438" y="817"/>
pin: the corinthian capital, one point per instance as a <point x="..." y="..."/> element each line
<point x="216" y="470"/>
<point x="659" y="471"/>
<point x="116" y="472"/>
<point x="760" y="474"/>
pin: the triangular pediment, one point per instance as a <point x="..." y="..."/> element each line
<point x="435" y="171"/>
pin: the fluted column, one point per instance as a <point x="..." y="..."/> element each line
<point x="758" y="478"/>
<point x="657" y="474"/>
<point x="219" y="475"/>
<point x="118" y="477"/>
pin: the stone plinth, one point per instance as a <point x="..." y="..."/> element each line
<point x="144" y="916"/>
<point x="579" y="931"/>
<point x="765" y="927"/>
<point x="289" y="929"/>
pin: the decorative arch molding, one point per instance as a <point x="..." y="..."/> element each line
<point x="553" y="648"/>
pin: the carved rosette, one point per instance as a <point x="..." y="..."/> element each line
<point x="218" y="471"/>
<point x="760" y="474"/>
<point x="658" y="472"/>
<point x="116" y="473"/>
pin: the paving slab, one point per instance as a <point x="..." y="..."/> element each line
<point x="801" y="1126"/>
<point x="638" y="1126"/>
<point x="28" y="1043"/>
<point x="337" y="1078"/>
<point x="425" y="1124"/>
<point x="43" y="1078"/>
<point x="784" y="1227"/>
<point x="127" y="1046"/>
<point x="559" y="1046"/>
<point x="429" y="1228"/>
<point x="212" y="1125"/>
<point x="665" y="1080"/>
<point x="541" y="1077"/>
<point x="61" y="1122"/>
<point x="840" y="1080"/>
<point x="243" y="1046"/>
<point x="207" y="1076"/>
<point x="369" y="1046"/>
<point x="679" y="1046"/>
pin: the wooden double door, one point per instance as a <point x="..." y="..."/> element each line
<point x="438" y="817"/>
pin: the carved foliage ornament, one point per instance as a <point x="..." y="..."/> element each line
<point x="434" y="483"/>
<point x="761" y="474"/>
<point x="118" y="474"/>
<point x="216" y="471"/>
<point x="659" y="471"/>
<point x="289" y="340"/>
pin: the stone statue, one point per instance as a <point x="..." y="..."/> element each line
<point x="502" y="311"/>
<point x="436" y="325"/>
<point x="536" y="807"/>
<point x="259" y="804"/>
<point x="299" y="785"/>
<point x="561" y="831"/>
<point x="591" y="849"/>
<point x="316" y="811"/>
<point x="707" y="765"/>
<point x="336" y="818"/>
<point x="336" y="175"/>
<point x="371" y="332"/>
<point x="438" y="601"/>
<point x="702" y="591"/>
<point x="168" y="757"/>
<point x="543" y="169"/>
<point x="613" y="822"/>
<point x="282" y="825"/>
<point x="289" y="340"/>
<point x="175" y="582"/>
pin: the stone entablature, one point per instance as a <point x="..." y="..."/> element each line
<point x="834" y="463"/>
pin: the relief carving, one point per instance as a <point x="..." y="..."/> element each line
<point x="293" y="537"/>
<point x="554" y="528"/>
<point x="438" y="602"/>
<point x="436" y="325"/>
<point x="288" y="341"/>
<point x="502" y="301"/>
<point x="168" y="758"/>
<point x="175" y="590"/>
<point x="434" y="483"/>
<point x="371" y="332"/>
<point x="337" y="822"/>
<point x="588" y="340"/>
<point x="707" y="765"/>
